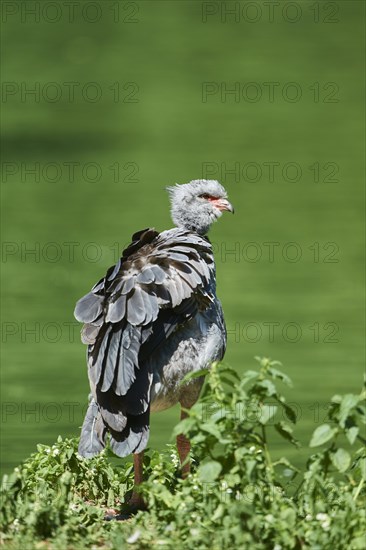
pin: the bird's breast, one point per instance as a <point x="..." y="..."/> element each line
<point x="191" y="348"/>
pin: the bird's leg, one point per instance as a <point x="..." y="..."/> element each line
<point x="136" y="501"/>
<point x="184" y="446"/>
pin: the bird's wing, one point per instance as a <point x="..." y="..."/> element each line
<point x="156" y="271"/>
<point x="159" y="283"/>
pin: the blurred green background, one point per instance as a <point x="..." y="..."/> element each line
<point x="142" y="117"/>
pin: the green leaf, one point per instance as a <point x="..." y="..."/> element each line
<point x="222" y="368"/>
<point x="240" y="452"/>
<point x="183" y="426"/>
<point x="228" y="381"/>
<point x="209" y="471"/>
<point x="322" y="434"/>
<point x="193" y="375"/>
<point x="275" y="373"/>
<point x="336" y="398"/>
<point x="219" y="512"/>
<point x="212" y="429"/>
<point x="361" y="409"/>
<point x="283" y="461"/>
<point x="250" y="465"/>
<point x="341" y="460"/>
<point x="285" y="430"/>
<point x="263" y="361"/>
<point x="268" y="386"/>
<point x="362" y="467"/>
<point x="248" y="375"/>
<point x="352" y="433"/>
<point x="289" y="411"/>
<point x="69" y="453"/>
<point x="358" y="543"/>
<point x="349" y="401"/>
<point x="266" y="413"/>
<point x="111" y="497"/>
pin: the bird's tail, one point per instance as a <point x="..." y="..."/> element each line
<point x="132" y="438"/>
<point x="93" y="432"/>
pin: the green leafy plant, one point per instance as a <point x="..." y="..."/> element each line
<point x="237" y="495"/>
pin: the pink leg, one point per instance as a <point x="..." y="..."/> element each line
<point x="183" y="447"/>
<point x="136" y="501"/>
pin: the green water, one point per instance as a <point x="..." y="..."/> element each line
<point x="122" y="109"/>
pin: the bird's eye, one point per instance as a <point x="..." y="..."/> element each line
<point x="204" y="196"/>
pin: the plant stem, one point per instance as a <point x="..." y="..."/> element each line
<point x="266" y="452"/>
<point x="355" y="496"/>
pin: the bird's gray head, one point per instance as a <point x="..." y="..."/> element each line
<point x="197" y="204"/>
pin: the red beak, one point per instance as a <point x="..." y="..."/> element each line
<point x="223" y="204"/>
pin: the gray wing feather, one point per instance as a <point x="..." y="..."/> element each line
<point x="89" y="333"/>
<point x="111" y="359"/>
<point x="146" y="276"/>
<point x="159" y="274"/>
<point x="135" y="308"/>
<point x="115" y="420"/>
<point x="116" y="310"/>
<point x="128" y="359"/>
<point x="180" y="289"/>
<point x="163" y="296"/>
<point x="116" y="269"/>
<point x="88" y="308"/>
<point x="135" y="442"/>
<point x="178" y="257"/>
<point x="134" y="438"/>
<point x="98" y="286"/>
<point x="128" y="285"/>
<point x="96" y="361"/>
<point x="92" y="438"/>
<point x="174" y="292"/>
